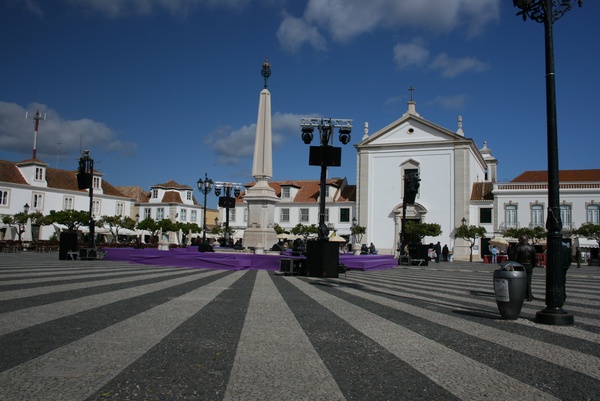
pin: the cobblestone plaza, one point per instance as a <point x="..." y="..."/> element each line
<point x="100" y="330"/>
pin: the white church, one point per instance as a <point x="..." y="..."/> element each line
<point x="448" y="165"/>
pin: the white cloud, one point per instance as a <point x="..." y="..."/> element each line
<point x="345" y="19"/>
<point x="295" y="32"/>
<point x="16" y="133"/>
<point x="231" y="145"/>
<point x="456" y="102"/>
<point x="120" y="8"/>
<point x="415" y="54"/>
<point x="452" y="67"/>
<point x="410" y="54"/>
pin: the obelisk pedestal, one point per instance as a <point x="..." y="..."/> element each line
<point x="261" y="198"/>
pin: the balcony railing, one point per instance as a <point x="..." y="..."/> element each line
<point x="505" y="226"/>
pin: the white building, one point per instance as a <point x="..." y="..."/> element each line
<point x="170" y="200"/>
<point x="299" y="204"/>
<point x="523" y="202"/>
<point x="448" y="164"/>
<point x="44" y="189"/>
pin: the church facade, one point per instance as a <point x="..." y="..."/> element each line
<point x="448" y="164"/>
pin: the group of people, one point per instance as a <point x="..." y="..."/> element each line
<point x="437" y="253"/>
<point x="366" y="250"/>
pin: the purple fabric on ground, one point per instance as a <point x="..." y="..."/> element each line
<point x="191" y="258"/>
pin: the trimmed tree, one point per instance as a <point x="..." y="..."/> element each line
<point x="422" y="230"/>
<point x="470" y="233"/>
<point x="73" y="219"/>
<point x="535" y="234"/>
<point x="589" y="230"/>
<point x="358" y="232"/>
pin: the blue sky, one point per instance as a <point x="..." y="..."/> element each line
<point x="163" y="90"/>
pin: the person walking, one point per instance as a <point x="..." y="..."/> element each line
<point x="445" y="252"/>
<point x="578" y="257"/>
<point x="525" y="255"/>
<point x="438" y="252"/>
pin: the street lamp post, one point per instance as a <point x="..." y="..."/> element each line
<point x="322" y="258"/>
<point x="205" y="187"/>
<point x="227" y="202"/>
<point x="547" y="12"/>
<point x="22" y="222"/>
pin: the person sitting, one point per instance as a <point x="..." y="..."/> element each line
<point x="372" y="249"/>
<point x="364" y="249"/>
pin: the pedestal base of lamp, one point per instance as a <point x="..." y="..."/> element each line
<point x="554" y="316"/>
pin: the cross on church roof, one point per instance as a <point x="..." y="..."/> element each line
<point x="411" y="90"/>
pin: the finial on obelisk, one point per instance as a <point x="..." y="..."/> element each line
<point x="266" y="71"/>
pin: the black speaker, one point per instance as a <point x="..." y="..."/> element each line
<point x="325" y="155"/>
<point x="67" y="243"/>
<point x="322" y="259"/>
<point x="84" y="180"/>
<point x="227" y="201"/>
<point x="277" y="248"/>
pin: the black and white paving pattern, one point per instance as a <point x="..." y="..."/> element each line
<point x="100" y="330"/>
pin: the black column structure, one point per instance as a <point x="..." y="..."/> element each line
<point x="411" y="188"/>
<point x="322" y="257"/>
<point x="227" y="202"/>
<point x="547" y="12"/>
<point x="85" y="180"/>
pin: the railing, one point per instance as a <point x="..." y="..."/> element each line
<point x="504" y="226"/>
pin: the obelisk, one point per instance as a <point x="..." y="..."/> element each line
<point x="260" y="233"/>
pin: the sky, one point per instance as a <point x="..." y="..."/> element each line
<point x="161" y="90"/>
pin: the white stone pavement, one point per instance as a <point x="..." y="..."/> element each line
<point x="440" y="323"/>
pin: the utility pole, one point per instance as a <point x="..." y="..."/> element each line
<point x="36" y="123"/>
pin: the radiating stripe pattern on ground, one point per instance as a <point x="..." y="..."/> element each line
<point x="97" y="330"/>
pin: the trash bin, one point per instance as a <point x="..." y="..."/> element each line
<point x="510" y="282"/>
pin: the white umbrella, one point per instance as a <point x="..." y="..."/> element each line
<point x="337" y="238"/>
<point x="501" y="242"/>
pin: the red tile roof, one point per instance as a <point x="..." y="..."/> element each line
<point x="135" y="192"/>
<point x="171" y="185"/>
<point x="55" y="178"/>
<point x="172" y="197"/>
<point x="308" y="190"/>
<point x="10" y="173"/>
<point x="563" y="176"/>
<point x="482" y="191"/>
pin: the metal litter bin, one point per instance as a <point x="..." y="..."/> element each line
<point x="510" y="281"/>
